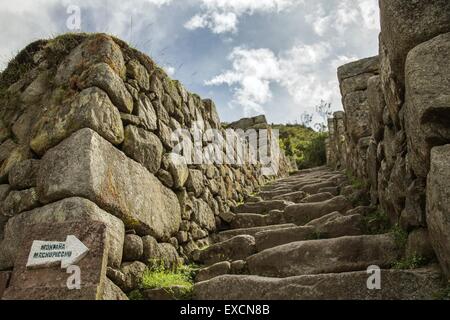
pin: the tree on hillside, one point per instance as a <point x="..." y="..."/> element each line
<point x="323" y="109"/>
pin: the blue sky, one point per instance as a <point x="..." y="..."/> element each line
<point x="277" y="57"/>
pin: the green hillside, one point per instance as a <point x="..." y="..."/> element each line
<point x="304" y="145"/>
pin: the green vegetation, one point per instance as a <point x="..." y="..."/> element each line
<point x="376" y="222"/>
<point x="304" y="145"/>
<point x="443" y="294"/>
<point x="316" y="235"/>
<point x="400" y="237"/>
<point x="412" y="262"/>
<point x="158" y="276"/>
<point x="355" y="181"/>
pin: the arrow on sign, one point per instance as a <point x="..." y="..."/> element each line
<point x="49" y="253"/>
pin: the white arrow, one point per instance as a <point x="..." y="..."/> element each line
<point x="49" y="253"/>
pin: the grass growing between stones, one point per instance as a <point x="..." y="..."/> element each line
<point x="443" y="294"/>
<point x="158" y="276"/>
<point x="412" y="262"/>
<point x="376" y="222"/>
<point x="400" y="237"/>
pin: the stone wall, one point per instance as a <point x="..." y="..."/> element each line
<point x="397" y="121"/>
<point x="85" y="134"/>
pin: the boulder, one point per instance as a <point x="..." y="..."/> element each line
<point x="159" y="253"/>
<point x="19" y="201"/>
<point x="438" y="205"/>
<point x="91" y="108"/>
<point x="203" y="215"/>
<point x="23" y="174"/>
<point x="213" y="271"/>
<point x="237" y="248"/>
<point x="325" y="256"/>
<point x="133" y="272"/>
<point x="86" y="165"/>
<point x="195" y="182"/>
<point x="178" y="169"/>
<point x="144" y="147"/>
<point x="71" y="209"/>
<point x="95" y="49"/>
<point x="404" y="25"/>
<point x="419" y="245"/>
<point x="103" y="76"/>
<point x="303" y="213"/>
<point x="262" y="207"/>
<point x="419" y="284"/>
<point x="111" y="292"/>
<point x="145" y="113"/>
<point x="356" y="68"/>
<point x="133" y="248"/>
<point x="427" y="100"/>
<point x="138" y="72"/>
<point x="318" y="197"/>
<point x="377" y="104"/>
<point x="228" y="234"/>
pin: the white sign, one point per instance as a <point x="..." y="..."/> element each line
<point x="49" y="253"/>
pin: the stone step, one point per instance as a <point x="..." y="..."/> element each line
<point x="225" y="235"/>
<point x="419" y="284"/>
<point x="302" y="213"/>
<point x="295" y="197"/>
<point x="262" y="207"/>
<point x="343" y="254"/>
<point x="315" y="187"/>
<point x="236" y="248"/>
<point x="269" y="195"/>
<point x="332" y="225"/>
<point x="318" y="197"/>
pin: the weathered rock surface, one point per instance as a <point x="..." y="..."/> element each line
<point x="91" y="108"/>
<point x="303" y="213"/>
<point x="237" y="248"/>
<point x="71" y="209"/>
<point x="427" y="100"/>
<point x="397" y="285"/>
<point x="23" y="174"/>
<point x="133" y="248"/>
<point x="86" y="165"/>
<point x="103" y="76"/>
<point x="438" y="205"/>
<point x="325" y="256"/>
<point x="144" y="147"/>
<point x="228" y="234"/>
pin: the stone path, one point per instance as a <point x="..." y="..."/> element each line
<point x="301" y="238"/>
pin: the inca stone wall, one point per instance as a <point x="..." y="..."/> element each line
<point x="85" y="135"/>
<point x="396" y="126"/>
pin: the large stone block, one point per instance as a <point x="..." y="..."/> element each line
<point x="86" y="165"/>
<point x="50" y="283"/>
<point x="396" y="285"/>
<point x="91" y="108"/>
<point x="427" y="114"/>
<point x="357" y="115"/>
<point x="404" y="25"/>
<point x="67" y="210"/>
<point x="96" y="49"/>
<point x="438" y="205"/>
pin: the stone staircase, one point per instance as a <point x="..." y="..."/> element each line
<point x="300" y="238"/>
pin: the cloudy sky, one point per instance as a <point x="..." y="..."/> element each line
<point x="277" y="57"/>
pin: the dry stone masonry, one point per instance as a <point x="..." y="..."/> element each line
<point x="395" y="131"/>
<point x="85" y="136"/>
<point x="85" y="144"/>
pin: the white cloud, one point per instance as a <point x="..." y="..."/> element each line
<point x="342" y="15"/>
<point x="222" y="16"/>
<point x="169" y="70"/>
<point x="251" y="75"/>
<point x="306" y="72"/>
